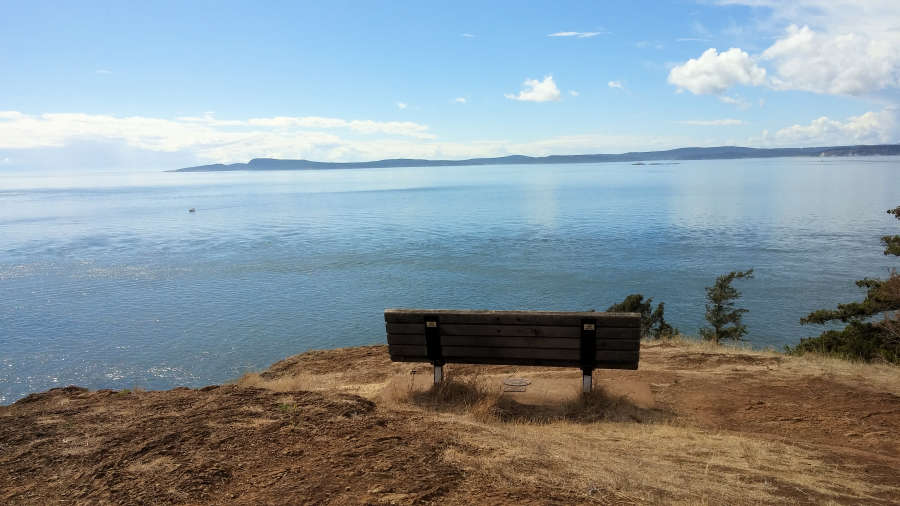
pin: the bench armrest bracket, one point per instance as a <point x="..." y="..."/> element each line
<point x="588" y="352"/>
<point x="433" y="340"/>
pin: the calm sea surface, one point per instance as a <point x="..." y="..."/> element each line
<point x="106" y="281"/>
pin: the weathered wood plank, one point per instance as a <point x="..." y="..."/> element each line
<point x="540" y="362"/>
<point x="619" y="344"/>
<point x="617" y="356"/>
<point x="514" y="342"/>
<point x="520" y="361"/>
<point x="480" y="352"/>
<point x="456" y="329"/>
<point x="515" y="330"/>
<point x="394" y="339"/>
<point x="547" y="318"/>
<point x="545" y="354"/>
<point x="408" y="350"/>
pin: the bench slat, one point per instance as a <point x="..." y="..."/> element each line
<point x="547" y="318"/>
<point x="488" y="330"/>
<point x="409" y="350"/>
<point x="463" y="353"/>
<point x="450" y="352"/>
<point x="524" y="361"/>
<point x="515" y="330"/>
<point x="514" y="342"/>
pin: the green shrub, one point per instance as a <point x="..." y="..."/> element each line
<point x="862" y="338"/>
<point x="653" y="322"/>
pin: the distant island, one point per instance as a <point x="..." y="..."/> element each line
<point x="716" y="153"/>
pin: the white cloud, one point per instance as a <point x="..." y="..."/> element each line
<point x="573" y="93"/>
<point x="206" y="137"/>
<point x="580" y="35"/>
<point x="460" y="100"/>
<point x="405" y="128"/>
<point x="869" y="128"/>
<point x="402" y="105"/>
<point x="467" y="35"/>
<point x="845" y="47"/>
<point x="713" y="122"/>
<point x="845" y="63"/>
<point x="537" y="91"/>
<point x="616" y="84"/>
<point x="90" y="141"/>
<point x="714" y="72"/>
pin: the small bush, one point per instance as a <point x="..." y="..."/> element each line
<point x="653" y="322"/>
<point x="858" y="340"/>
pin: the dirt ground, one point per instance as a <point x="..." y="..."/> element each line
<point x="695" y="424"/>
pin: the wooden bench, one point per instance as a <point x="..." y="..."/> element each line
<point x="589" y="340"/>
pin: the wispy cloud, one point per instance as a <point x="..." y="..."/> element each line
<point x="738" y="101"/>
<point x="580" y="35"/>
<point x="467" y="35"/>
<point x="402" y="105"/>
<point x="460" y="100"/>
<point x="700" y="29"/>
<point x="209" y="137"/>
<point x="616" y="84"/>
<point x="646" y="43"/>
<point x="204" y="139"/>
<point x="537" y="91"/>
<point x="713" y="122"/>
<point x="573" y="93"/>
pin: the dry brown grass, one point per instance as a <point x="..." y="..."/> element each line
<point x="655" y="463"/>
<point x="610" y="447"/>
<point x="880" y="376"/>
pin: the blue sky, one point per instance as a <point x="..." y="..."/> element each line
<point x="155" y="84"/>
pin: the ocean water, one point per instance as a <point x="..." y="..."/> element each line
<point x="106" y="280"/>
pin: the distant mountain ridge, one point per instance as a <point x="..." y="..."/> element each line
<point x="716" y="153"/>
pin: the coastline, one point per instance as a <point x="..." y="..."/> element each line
<point x="694" y="423"/>
<point x="670" y="156"/>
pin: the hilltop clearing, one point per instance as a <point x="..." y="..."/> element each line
<point x="694" y="424"/>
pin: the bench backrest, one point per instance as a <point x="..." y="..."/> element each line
<point x="546" y="338"/>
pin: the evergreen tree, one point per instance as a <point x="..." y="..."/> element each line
<point x="720" y="310"/>
<point x="861" y="338"/>
<point x="653" y="322"/>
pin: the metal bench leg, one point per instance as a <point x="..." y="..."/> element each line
<point x="586" y="381"/>
<point x="438" y="374"/>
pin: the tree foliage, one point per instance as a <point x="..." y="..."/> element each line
<point x="892" y="242"/>
<point x="862" y="338"/>
<point x="653" y="322"/>
<point x="724" y="319"/>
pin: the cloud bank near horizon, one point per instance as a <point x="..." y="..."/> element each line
<point x="92" y="141"/>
